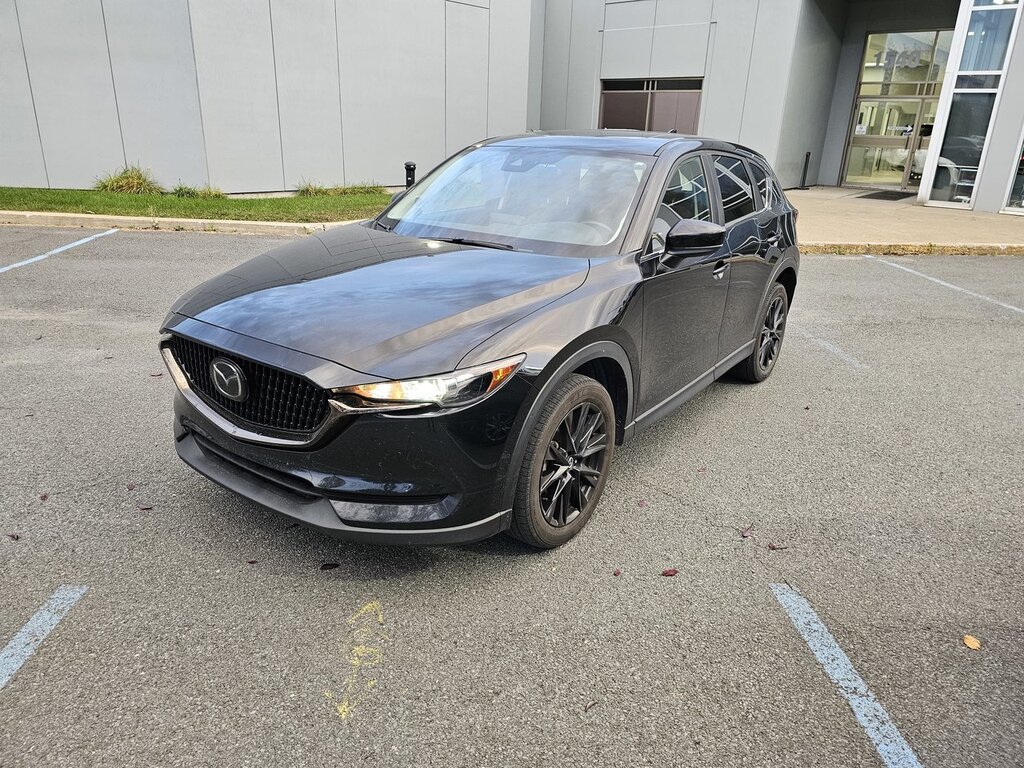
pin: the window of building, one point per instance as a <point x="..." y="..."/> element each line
<point x="734" y="184"/>
<point x="1016" y="200"/>
<point x="651" y="105"/>
<point x="980" y="74"/>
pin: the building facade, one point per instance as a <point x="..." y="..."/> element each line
<point x="920" y="97"/>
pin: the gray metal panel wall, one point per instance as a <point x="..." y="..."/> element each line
<point x="812" y="79"/>
<point x="392" y="86"/>
<point x="66" y="50"/>
<point x="155" y="83"/>
<point x="259" y="95"/>
<point x="466" y="74"/>
<point x="309" y="91"/>
<point x="237" y="87"/>
<point x="21" y="154"/>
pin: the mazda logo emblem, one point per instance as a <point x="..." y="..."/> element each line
<point x="228" y="379"/>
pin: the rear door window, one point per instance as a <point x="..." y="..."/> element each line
<point x="735" y="187"/>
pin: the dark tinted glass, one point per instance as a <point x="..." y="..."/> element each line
<point x="734" y="184"/>
<point x="624" y="110"/>
<point x="765" y="185"/>
<point x="686" y="196"/>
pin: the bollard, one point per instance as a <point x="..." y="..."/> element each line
<point x="803" y="176"/>
<point x="410" y="174"/>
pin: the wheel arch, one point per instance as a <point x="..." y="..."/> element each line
<point x="603" y="359"/>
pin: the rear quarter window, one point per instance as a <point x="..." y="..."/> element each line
<point x="735" y="186"/>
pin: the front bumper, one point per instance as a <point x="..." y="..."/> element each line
<point x="373" y="478"/>
<point x="319" y="513"/>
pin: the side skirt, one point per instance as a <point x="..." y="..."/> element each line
<point x="670" y="403"/>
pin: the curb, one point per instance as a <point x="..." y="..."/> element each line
<point x="101" y="221"/>
<point x="913" y="249"/>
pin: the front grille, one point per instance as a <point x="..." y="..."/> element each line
<point x="277" y="400"/>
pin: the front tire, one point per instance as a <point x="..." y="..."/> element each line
<point x="566" y="464"/>
<point x="768" y="344"/>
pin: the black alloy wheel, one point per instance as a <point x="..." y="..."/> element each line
<point x="768" y="343"/>
<point x="566" y="465"/>
<point x="572" y="464"/>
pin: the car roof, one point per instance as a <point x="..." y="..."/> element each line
<point x="629" y="142"/>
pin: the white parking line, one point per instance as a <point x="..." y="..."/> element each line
<point x="846" y="357"/>
<point x="55" y="251"/>
<point x="943" y="283"/>
<point x="889" y="742"/>
<point x="36" y="629"/>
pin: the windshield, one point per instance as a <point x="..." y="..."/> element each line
<point x="562" y="201"/>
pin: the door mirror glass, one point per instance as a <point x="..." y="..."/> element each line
<point x="690" y="237"/>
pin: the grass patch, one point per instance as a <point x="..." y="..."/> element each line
<point x="131" y="180"/>
<point x="356" y="203"/>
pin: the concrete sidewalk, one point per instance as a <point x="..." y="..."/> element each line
<point x="840" y="220"/>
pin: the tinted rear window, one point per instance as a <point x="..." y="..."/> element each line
<point x="735" y="186"/>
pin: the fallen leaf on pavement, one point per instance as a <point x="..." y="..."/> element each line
<point x="972" y="642"/>
<point x="669" y="572"/>
<point x="807" y="407"/>
<point x="328" y="566"/>
<point x="44" y="496"/>
<point x="747" y="532"/>
<point x="252" y="562"/>
<point x="156" y="375"/>
<point x="616" y="572"/>
<point x="131" y="486"/>
<point x="642" y="503"/>
<point x="702" y="470"/>
<point x="145" y="507"/>
<point x="776" y="547"/>
<point x="39" y="337"/>
<point x="13" y="536"/>
<point x="590" y="706"/>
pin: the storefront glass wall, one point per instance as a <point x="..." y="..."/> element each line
<point x="979" y="77"/>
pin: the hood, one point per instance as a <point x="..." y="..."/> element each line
<point x="380" y="303"/>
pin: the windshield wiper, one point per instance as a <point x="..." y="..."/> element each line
<point x="470" y="241"/>
<point x="380" y="225"/>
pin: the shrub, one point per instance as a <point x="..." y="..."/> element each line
<point x="310" y="189"/>
<point x="358" y="189"/>
<point x="184" y="190"/>
<point x="132" y="180"/>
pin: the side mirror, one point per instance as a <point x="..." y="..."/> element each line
<point x="397" y="196"/>
<point x="691" y="237"/>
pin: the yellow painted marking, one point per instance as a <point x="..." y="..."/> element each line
<point x="365" y="634"/>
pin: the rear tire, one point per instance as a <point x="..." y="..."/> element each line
<point x="566" y="464"/>
<point x="768" y="344"/>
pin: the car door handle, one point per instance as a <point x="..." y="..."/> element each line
<point x="720" y="269"/>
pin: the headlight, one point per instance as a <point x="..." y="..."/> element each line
<point x="457" y="389"/>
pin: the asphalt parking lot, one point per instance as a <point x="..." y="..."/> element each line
<point x="878" y="473"/>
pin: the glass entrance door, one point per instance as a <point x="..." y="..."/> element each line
<point x="889" y="142"/>
<point x="894" y="113"/>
